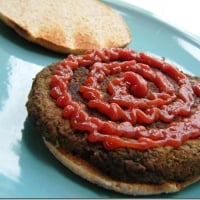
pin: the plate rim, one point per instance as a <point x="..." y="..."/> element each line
<point x="195" y="39"/>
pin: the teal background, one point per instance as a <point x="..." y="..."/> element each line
<point x="27" y="169"/>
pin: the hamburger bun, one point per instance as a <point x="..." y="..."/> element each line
<point x="85" y="170"/>
<point x="66" y="26"/>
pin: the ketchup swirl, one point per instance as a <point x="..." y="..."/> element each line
<point x="131" y="101"/>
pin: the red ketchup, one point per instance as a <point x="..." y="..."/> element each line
<point x="131" y="101"/>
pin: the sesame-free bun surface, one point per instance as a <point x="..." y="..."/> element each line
<point x="93" y="175"/>
<point x="66" y="26"/>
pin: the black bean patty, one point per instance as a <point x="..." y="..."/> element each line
<point x="155" y="165"/>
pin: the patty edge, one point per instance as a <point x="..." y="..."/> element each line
<point x="85" y="170"/>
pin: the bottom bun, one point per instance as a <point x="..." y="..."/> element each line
<point x="93" y="175"/>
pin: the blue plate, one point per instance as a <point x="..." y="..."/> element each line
<point x="27" y="168"/>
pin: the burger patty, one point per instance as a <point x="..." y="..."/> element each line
<point x="155" y="165"/>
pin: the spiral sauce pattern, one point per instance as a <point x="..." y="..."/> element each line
<point x="132" y="103"/>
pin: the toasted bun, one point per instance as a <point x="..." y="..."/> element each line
<point x="67" y="26"/>
<point x="88" y="172"/>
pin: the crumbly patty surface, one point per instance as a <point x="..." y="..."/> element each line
<point x="154" y="166"/>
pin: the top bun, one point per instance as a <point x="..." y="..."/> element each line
<point x="66" y="26"/>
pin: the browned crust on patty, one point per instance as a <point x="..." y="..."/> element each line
<point x="88" y="172"/>
<point x="153" y="171"/>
